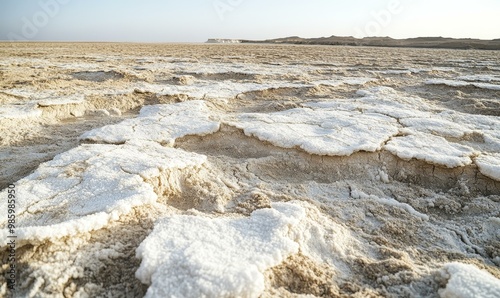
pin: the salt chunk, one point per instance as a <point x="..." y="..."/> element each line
<point x="438" y="126"/>
<point x="322" y="132"/>
<point x="467" y="281"/>
<point x="85" y="188"/>
<point x="459" y="83"/>
<point x="159" y="123"/>
<point x="115" y="112"/>
<point x="195" y="256"/>
<point x="98" y="113"/>
<point x="432" y="149"/>
<point x="489" y="165"/>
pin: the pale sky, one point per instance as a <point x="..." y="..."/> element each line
<point x="198" y="20"/>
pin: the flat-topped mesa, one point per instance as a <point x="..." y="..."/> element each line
<point x="221" y="40"/>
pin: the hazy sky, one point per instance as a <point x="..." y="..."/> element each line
<point x="198" y="20"/>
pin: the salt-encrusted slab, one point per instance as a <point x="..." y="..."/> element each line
<point x="322" y="132"/>
<point x="85" y="188"/>
<point x="159" y="123"/>
<point x="198" y="256"/>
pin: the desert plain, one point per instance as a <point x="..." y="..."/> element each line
<point x="245" y="170"/>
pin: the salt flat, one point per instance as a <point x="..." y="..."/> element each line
<point x="251" y="170"/>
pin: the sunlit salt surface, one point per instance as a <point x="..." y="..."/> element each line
<point x="432" y="149"/>
<point x="489" y="165"/>
<point x="19" y="112"/>
<point x="467" y="281"/>
<point x="196" y="256"/>
<point x="320" y="132"/>
<point x="85" y="188"/>
<point x="160" y="123"/>
<point x="458" y="83"/>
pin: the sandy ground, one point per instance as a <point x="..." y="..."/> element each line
<point x="371" y="248"/>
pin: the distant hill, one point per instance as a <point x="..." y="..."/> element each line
<point x="419" y="42"/>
